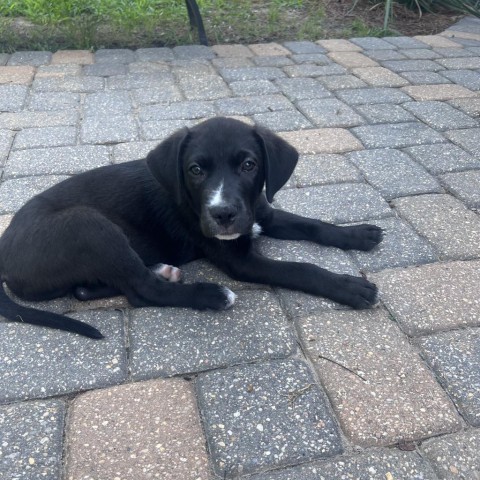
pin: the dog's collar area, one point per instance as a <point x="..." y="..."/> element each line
<point x="233" y="236"/>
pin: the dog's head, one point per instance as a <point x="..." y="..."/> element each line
<point x="219" y="168"/>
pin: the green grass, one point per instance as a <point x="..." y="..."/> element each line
<point x="134" y="23"/>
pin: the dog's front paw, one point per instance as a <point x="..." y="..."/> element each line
<point x="362" y="237"/>
<point x="212" y="296"/>
<point x="356" y="292"/>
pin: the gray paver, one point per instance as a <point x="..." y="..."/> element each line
<point x="454" y="456"/>
<point x="453" y="52"/>
<point x="397" y="135"/>
<point x="385" y="113"/>
<point x="442" y="158"/>
<point x="251" y="424"/>
<point x="30" y="58"/>
<point x="304" y="47"/>
<point x="467" y="78"/>
<point x="154" y="54"/>
<point x="433" y="297"/>
<point x="61" y="160"/>
<point x="463" y="63"/>
<point x="251" y="105"/>
<point x="339" y="82"/>
<point x="272" y="61"/>
<point x="167" y="341"/>
<point x="6" y="139"/>
<point x="160" y="129"/>
<point x="108" y="129"/>
<point x="31" y="434"/>
<point x="389" y="464"/>
<point x="368" y="96"/>
<point x="17" y="121"/>
<point x="312" y="70"/>
<point x="69" y="84"/>
<point x="393" y="173"/>
<point x="12" y="97"/>
<point x="469" y="139"/>
<point x="302" y="88"/>
<point x="465" y="186"/>
<point x="33" y="359"/>
<point x="439" y="115"/>
<point x="424" y="78"/>
<point x="252" y="73"/>
<point x="342" y="203"/>
<point x="4" y="58"/>
<point x="385" y="393"/>
<point x="333" y="259"/>
<point x="193" y="52"/>
<point x="454" y="357"/>
<point x="169" y="92"/>
<point x="203" y="87"/>
<point x="45" y="137"/>
<point x="15" y="192"/>
<point x="51" y="101"/>
<point x="176" y="111"/>
<point x="400" y="247"/>
<point x="105" y="69"/>
<point x="314" y="58"/>
<point x="371" y="43"/>
<point x="420" y="54"/>
<point x="445" y="222"/>
<point x="253" y="87"/>
<point x="282" y="121"/>
<point x="124" y="152"/>
<point x="329" y="113"/>
<point x="471" y="106"/>
<point x="321" y="169"/>
<point x="114" y="55"/>
<point x="412" y="65"/>
<point x="381" y="55"/>
<point x="107" y="103"/>
<point x="138" y="80"/>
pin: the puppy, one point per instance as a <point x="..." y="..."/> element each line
<point x="203" y="192"/>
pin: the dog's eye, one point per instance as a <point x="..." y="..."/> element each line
<point x="195" y="170"/>
<point x="248" y="165"/>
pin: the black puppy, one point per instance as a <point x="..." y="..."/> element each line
<point x="198" y="194"/>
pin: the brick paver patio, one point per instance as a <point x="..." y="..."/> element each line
<point x="284" y="385"/>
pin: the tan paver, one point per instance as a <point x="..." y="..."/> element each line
<point x="58" y="71"/>
<point x="380" y="389"/>
<point x="352" y="59"/>
<point x="438" y="92"/>
<point x="232" y="51"/>
<point x="18" y="75"/>
<point x="4" y="222"/>
<point x="437" y="41"/>
<point x="380" y="77"/>
<point x="339" y="45"/>
<point x="433" y="297"/>
<point x="81" y="57"/>
<point x="468" y="105"/>
<point x="268" y="49"/>
<point x="323" y="140"/>
<point x="456" y="34"/>
<point x="147" y="430"/>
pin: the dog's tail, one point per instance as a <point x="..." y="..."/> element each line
<point x="18" y="313"/>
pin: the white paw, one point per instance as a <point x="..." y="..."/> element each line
<point x="168" y="272"/>
<point x="230" y="297"/>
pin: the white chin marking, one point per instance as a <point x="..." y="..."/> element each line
<point x="216" y="198"/>
<point x="168" y="272"/>
<point x="230" y="297"/>
<point x="228" y="237"/>
<point x="256" y="230"/>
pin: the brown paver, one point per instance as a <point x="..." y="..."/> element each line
<point x="437" y="41"/>
<point x="268" y="49"/>
<point x="339" y="45"/>
<point x="352" y="59"/>
<point x="445" y="221"/>
<point x="81" y="57"/>
<point x="323" y="140"/>
<point x="145" y="430"/>
<point x="433" y="297"/>
<point x="18" y="75"/>
<point x="379" y="387"/>
<point x="232" y="51"/>
<point x="438" y="92"/>
<point x="380" y="77"/>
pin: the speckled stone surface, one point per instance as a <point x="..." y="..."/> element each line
<point x="39" y="362"/>
<point x="465" y="186"/>
<point x="444" y="221"/>
<point x="31" y="440"/>
<point x="454" y="357"/>
<point x="433" y="297"/>
<point x="167" y="341"/>
<point x="265" y="415"/>
<point x="381" y="464"/>
<point x="454" y="456"/>
<point x="142" y="430"/>
<point x="376" y="382"/>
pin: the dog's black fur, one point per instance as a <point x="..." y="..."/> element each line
<point x="198" y="194"/>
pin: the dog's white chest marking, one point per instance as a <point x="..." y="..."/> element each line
<point x="256" y="230"/>
<point x="216" y="198"/>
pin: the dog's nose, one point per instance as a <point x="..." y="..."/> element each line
<point x="224" y="215"/>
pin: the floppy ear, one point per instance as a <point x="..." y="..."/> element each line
<point x="280" y="159"/>
<point x="165" y="163"/>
